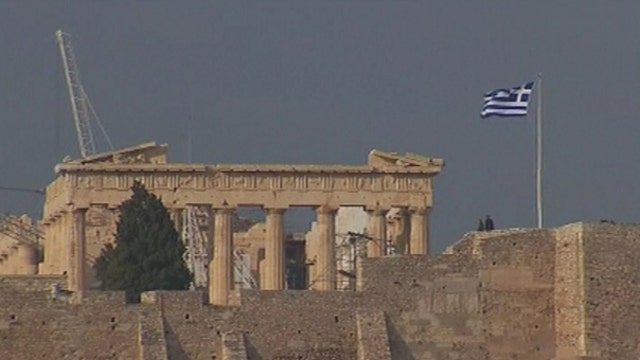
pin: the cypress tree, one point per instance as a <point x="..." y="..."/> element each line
<point x="148" y="254"/>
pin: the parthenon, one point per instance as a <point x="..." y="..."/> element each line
<point x="88" y="192"/>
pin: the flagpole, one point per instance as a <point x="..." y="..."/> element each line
<point x="539" y="152"/>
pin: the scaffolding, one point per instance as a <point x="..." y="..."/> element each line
<point x="242" y="277"/>
<point x="196" y="232"/>
<point x="21" y="232"/>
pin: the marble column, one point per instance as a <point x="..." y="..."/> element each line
<point x="67" y="247"/>
<point x="325" y="267"/>
<point x="47" y="244"/>
<point x="221" y="265"/>
<point x="376" y="229"/>
<point x="274" y="261"/>
<point x="80" y="251"/>
<point x="27" y="258"/>
<point x="53" y="240"/>
<point x="419" y="236"/>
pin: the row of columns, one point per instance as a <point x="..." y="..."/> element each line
<point x="66" y="248"/>
<point x="418" y="235"/>
<point x="221" y="265"/>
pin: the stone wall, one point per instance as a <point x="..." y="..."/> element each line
<point x="233" y="346"/>
<point x="152" y="337"/>
<point x="372" y="336"/>
<point x="432" y="304"/>
<point x="300" y="324"/>
<point x="34" y="325"/>
<point x="192" y="330"/>
<point x="611" y="290"/>
<point x="569" y="296"/>
<point x="517" y="272"/>
<point x="567" y="293"/>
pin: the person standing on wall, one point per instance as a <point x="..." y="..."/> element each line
<point x="488" y="223"/>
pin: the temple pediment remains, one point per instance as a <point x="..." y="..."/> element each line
<point x="148" y="153"/>
<point x="388" y="160"/>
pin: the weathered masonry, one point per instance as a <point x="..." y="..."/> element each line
<point x="566" y="293"/>
<point x="88" y="193"/>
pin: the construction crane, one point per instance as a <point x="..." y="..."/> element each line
<point x="196" y="242"/>
<point x="81" y="107"/>
<point x="196" y="254"/>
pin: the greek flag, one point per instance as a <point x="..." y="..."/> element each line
<point x="507" y="102"/>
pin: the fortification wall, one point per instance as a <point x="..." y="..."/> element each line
<point x="611" y="290"/>
<point x="502" y="295"/>
<point x="517" y="272"/>
<point x="298" y="324"/>
<point x="24" y="290"/>
<point x="516" y="269"/>
<point x="192" y="330"/>
<point x="34" y="325"/>
<point x="432" y="304"/>
<point x="569" y="296"/>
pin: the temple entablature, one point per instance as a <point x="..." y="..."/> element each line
<point x="272" y="186"/>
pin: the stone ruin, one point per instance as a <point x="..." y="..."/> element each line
<point x="565" y="293"/>
<point x="82" y="204"/>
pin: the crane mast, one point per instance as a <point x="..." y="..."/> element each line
<point x="196" y="242"/>
<point x="77" y="96"/>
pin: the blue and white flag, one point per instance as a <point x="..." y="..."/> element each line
<point x="507" y="102"/>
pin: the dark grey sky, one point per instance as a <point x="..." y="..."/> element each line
<point x="327" y="81"/>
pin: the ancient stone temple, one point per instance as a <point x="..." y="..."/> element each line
<point x="82" y="204"/>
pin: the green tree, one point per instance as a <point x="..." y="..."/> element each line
<point x="148" y="253"/>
